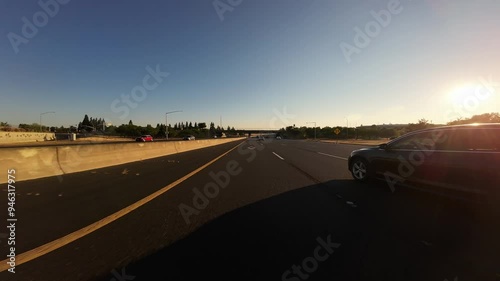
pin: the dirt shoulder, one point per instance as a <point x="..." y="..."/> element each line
<point x="86" y="140"/>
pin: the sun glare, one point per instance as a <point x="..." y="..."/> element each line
<point x="459" y="93"/>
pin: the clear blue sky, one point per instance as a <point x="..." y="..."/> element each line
<point x="262" y="57"/>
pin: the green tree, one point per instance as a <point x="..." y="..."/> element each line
<point x="34" y="127"/>
<point x="85" y="125"/>
<point x="422" y="124"/>
<point x="292" y="132"/>
<point x="4" y="126"/>
<point x="111" y="130"/>
<point x="213" y="131"/>
<point x="481" y="118"/>
<point x="148" y="130"/>
<point x="128" y="130"/>
<point x="86" y="121"/>
<point x="160" y="131"/>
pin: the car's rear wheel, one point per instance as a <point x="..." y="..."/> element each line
<point x="359" y="169"/>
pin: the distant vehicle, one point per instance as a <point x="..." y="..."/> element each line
<point x="461" y="158"/>
<point x="144" y="138"/>
<point x="278" y="137"/>
<point x="190" y="137"/>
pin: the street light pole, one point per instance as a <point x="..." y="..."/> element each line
<point x="314" y="129"/>
<point x="347" y="127"/>
<point x="166" y="121"/>
<point x="41" y="118"/>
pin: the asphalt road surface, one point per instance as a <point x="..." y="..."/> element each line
<point x="256" y="210"/>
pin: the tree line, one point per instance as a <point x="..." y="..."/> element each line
<point x="91" y="125"/>
<point x="181" y="129"/>
<point x="377" y="131"/>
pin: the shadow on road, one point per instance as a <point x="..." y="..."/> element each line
<point x="318" y="233"/>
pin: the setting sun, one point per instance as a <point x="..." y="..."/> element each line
<point x="460" y="93"/>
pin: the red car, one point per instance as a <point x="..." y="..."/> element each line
<point x="144" y="138"/>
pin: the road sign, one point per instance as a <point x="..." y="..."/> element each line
<point x="336" y="131"/>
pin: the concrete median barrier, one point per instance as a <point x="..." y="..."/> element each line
<point x="29" y="163"/>
<point x="39" y="162"/>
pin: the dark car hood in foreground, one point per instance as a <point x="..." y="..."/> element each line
<point x="361" y="150"/>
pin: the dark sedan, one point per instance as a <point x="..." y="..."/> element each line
<point x="462" y="158"/>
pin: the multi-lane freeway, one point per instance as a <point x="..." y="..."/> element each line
<point x="246" y="210"/>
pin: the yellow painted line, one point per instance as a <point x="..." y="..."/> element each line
<point x="65" y="240"/>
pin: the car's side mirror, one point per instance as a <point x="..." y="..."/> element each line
<point x="383" y="146"/>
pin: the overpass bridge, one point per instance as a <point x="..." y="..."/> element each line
<point x="257" y="132"/>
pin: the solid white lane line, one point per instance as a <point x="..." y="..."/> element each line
<point x="338" y="157"/>
<point x="278" y="156"/>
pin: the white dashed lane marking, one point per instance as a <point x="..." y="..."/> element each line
<point x="278" y="156"/>
<point x="329" y="155"/>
